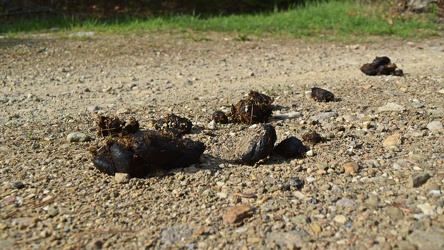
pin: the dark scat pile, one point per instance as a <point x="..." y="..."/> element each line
<point x="255" y="108"/>
<point x="140" y="153"/>
<point x="381" y="66"/>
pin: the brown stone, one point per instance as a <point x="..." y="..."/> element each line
<point x="237" y="215"/>
<point x="351" y="168"/>
<point x="392" y="141"/>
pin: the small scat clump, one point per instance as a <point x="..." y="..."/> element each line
<point x="322" y="95"/>
<point x="174" y="124"/>
<point x="312" y="137"/>
<point x="255" y="108"/>
<point x="113" y="126"/>
<point x="381" y="66"/>
<point x="220" y="117"/>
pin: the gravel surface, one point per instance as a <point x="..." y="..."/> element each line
<point x="376" y="182"/>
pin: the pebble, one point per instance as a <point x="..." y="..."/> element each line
<point x="417" y="180"/>
<point x="351" y="168"/>
<point x="82" y="34"/>
<point x="309" y="153"/>
<point x="391" y="107"/>
<point x="122" y="177"/>
<point x="426" y="240"/>
<point x="287" y="116"/>
<point x="212" y="125"/>
<point x="176" y="234"/>
<point x="323" y="116"/>
<point x="344" y="202"/>
<point x="78" y="137"/>
<point x="93" y="108"/>
<point x="284" y="239"/>
<point x="395" y="213"/>
<point x="310" y="179"/>
<point x="341" y="219"/>
<point x="435" y="127"/>
<point x="392" y="141"/>
<point x="53" y="211"/>
<point x="236" y="215"/>
<point x="427" y="209"/>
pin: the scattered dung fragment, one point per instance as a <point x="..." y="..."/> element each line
<point x="114" y="126"/>
<point x="256" y="145"/>
<point x="220" y="117"/>
<point x="255" y="108"/>
<point x="291" y="147"/>
<point x="312" y="137"/>
<point x="417" y="180"/>
<point x="237" y="215"/>
<point x="18" y="185"/>
<point x="381" y="66"/>
<point x="322" y="95"/>
<point x="174" y="124"/>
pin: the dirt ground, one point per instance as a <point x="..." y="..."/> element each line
<point x="52" y="196"/>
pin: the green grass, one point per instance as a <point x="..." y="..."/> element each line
<point x="333" y="20"/>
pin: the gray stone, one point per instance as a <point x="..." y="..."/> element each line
<point x="419" y="5"/>
<point x="93" y="108"/>
<point x="82" y="34"/>
<point x="288" y="238"/>
<point x="426" y="240"/>
<point x="435" y="126"/>
<point x="427" y="209"/>
<point x="344" y="202"/>
<point x="391" y="106"/>
<point x="324" y="116"/>
<point x="78" y="137"/>
<point x="287" y="116"/>
<point x="373" y="200"/>
<point x="436" y="112"/>
<point x="394" y="213"/>
<point x="417" y="180"/>
<point x="176" y="234"/>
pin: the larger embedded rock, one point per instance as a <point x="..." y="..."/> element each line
<point x="257" y="144"/>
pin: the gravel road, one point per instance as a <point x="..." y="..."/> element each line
<point x="376" y="182"/>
